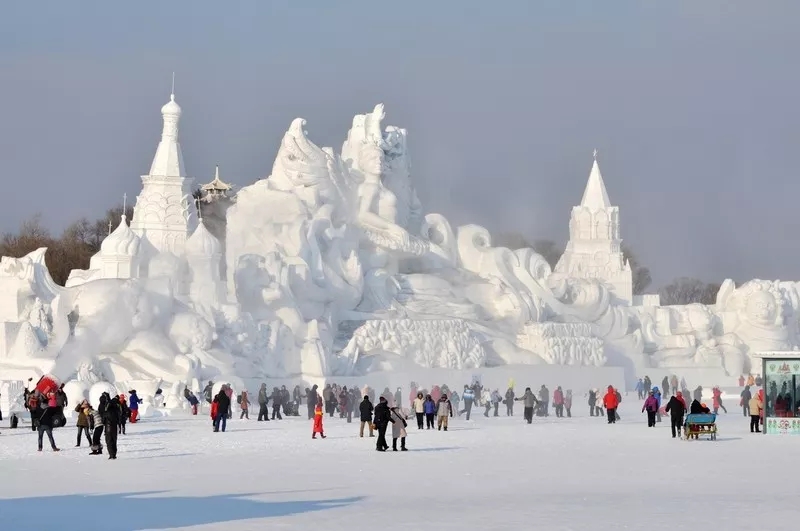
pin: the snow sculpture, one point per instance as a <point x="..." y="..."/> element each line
<point x="330" y="266"/>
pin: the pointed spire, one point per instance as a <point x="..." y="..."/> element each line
<point x="595" y="196"/>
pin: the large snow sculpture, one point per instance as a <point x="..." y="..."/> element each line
<point x="330" y="266"/>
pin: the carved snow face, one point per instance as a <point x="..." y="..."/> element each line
<point x="371" y="160"/>
<point x="761" y="308"/>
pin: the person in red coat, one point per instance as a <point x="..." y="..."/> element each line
<point x="318" y="421"/>
<point x="610" y="401"/>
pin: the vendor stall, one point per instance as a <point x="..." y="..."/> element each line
<point x="781" y="372"/>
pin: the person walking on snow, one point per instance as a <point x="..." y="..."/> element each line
<point x="745" y="401"/>
<point x="318" y="421"/>
<point x="640" y="389"/>
<point x="657" y="394"/>
<point x="676" y="407"/>
<point x="96" y="425"/>
<point x="651" y="407"/>
<point x="529" y="402"/>
<point x="244" y="403"/>
<point x="558" y="401"/>
<point x="398" y="429"/>
<point x="430" y="408"/>
<point x="496" y="399"/>
<point x="419" y="410"/>
<point x="365" y="409"/>
<point x="610" y="402"/>
<point x="444" y="411"/>
<point x="716" y="400"/>
<point x="544" y="400"/>
<point x="468" y="397"/>
<point x="133" y="405"/>
<point x="382" y="419"/>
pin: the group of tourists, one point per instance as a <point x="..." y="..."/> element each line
<point x="110" y="416"/>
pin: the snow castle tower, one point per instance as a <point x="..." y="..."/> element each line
<point x="594" y="249"/>
<point x="118" y="253"/>
<point x="203" y="255"/>
<point x="162" y="215"/>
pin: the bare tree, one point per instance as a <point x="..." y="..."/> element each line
<point x="641" y="274"/>
<point x="686" y="290"/>
<point x="549" y="249"/>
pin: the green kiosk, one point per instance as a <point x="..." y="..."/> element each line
<point x="781" y="372"/>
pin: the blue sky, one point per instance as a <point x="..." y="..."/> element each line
<point x="693" y="107"/>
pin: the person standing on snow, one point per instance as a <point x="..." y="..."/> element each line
<point x="657" y="394"/>
<point x="430" y="408"/>
<point x="96" y="425"/>
<point x="111" y="414"/>
<point x="665" y="385"/>
<point x="676" y="408"/>
<point x="263" y="400"/>
<point x="398" y="429"/>
<point x="46" y="426"/>
<point x="529" y="402"/>
<point x="312" y="397"/>
<point x="756" y="405"/>
<point x="509" y="400"/>
<point x="244" y="403"/>
<point x="382" y="419"/>
<point x="296" y="398"/>
<point x="496" y="399"/>
<point x="208" y="392"/>
<point x="223" y="403"/>
<point x="544" y="401"/>
<point x="419" y="410"/>
<point x="82" y="423"/>
<point x="745" y="401"/>
<point x="125" y="414"/>
<point x="558" y="401"/>
<point x="468" y="397"/>
<point x="592" y="402"/>
<point x="133" y="405"/>
<point x="444" y="410"/>
<point x="651" y="407"/>
<point x="486" y="398"/>
<point x="610" y="402"/>
<point x="365" y="409"/>
<point x="276" y="404"/>
<point x="318" y="421"/>
<point x="640" y="389"/>
<point x="568" y="403"/>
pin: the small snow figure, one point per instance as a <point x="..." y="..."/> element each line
<point x="318" y="421"/>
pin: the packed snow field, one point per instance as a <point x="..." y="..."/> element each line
<point x="495" y="473"/>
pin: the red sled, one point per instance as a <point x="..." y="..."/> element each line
<point x="48" y="384"/>
<point x="214" y="409"/>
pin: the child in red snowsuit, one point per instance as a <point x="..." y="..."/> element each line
<point x="318" y="421"/>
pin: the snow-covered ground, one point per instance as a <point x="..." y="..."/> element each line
<point x="492" y="474"/>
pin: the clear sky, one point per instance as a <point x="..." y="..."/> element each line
<point x="693" y="106"/>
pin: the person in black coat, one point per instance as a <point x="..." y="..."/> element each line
<point x="312" y="397"/>
<point x="383" y="416"/>
<point x="111" y="412"/>
<point x="676" y="411"/>
<point x="697" y="408"/>
<point x="45" y="425"/>
<point x="223" y="404"/>
<point x="365" y="408"/>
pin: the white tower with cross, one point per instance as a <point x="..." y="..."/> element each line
<point x="162" y="217"/>
<point x="594" y="249"/>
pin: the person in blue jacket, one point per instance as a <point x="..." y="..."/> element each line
<point x="133" y="405"/>
<point x="468" y="397"/>
<point x="657" y="394"/>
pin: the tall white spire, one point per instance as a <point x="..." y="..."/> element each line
<point x="168" y="161"/>
<point x="163" y="216"/>
<point x="595" y="196"/>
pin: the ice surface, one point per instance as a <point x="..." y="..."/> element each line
<point x="493" y="474"/>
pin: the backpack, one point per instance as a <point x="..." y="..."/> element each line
<point x="239" y="399"/>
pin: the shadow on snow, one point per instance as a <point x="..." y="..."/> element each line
<point x="131" y="511"/>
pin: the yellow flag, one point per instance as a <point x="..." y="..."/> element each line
<point x="511" y="383"/>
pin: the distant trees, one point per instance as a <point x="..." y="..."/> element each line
<point x="549" y="249"/>
<point x="72" y="250"/>
<point x="640" y="273"/>
<point x="687" y="290"/>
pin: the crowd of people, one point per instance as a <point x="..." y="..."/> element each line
<point x="752" y="403"/>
